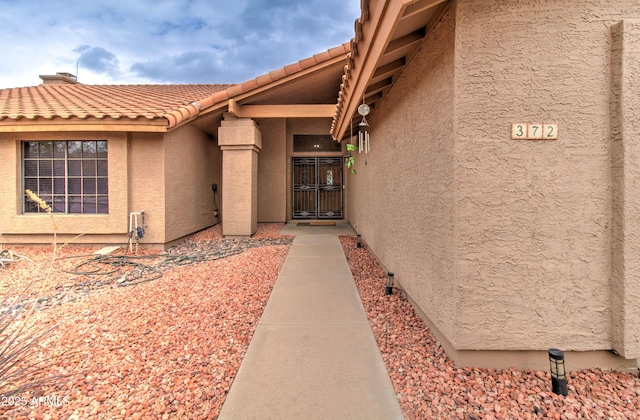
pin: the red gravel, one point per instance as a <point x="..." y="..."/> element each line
<point x="170" y="348"/>
<point x="429" y="386"/>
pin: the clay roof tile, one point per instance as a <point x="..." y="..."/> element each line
<point x="277" y="74"/>
<point x="265" y="79"/>
<point x="249" y="85"/>
<point x="308" y="62"/>
<point x="118" y="102"/>
<point x="292" y="68"/>
<point x="175" y="103"/>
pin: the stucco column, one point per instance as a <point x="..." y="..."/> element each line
<point x="625" y="159"/>
<point x="240" y="140"/>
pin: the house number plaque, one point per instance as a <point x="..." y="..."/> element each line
<point x="523" y="131"/>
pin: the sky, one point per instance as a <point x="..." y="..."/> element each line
<point x="165" y="41"/>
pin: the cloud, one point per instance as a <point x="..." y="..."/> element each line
<point x="166" y="41"/>
<point x="187" y="67"/>
<point x="98" y="60"/>
<point x="263" y="36"/>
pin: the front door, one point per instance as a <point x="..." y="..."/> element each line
<point x="317" y="188"/>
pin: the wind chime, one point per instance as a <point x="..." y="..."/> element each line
<point x="363" y="132"/>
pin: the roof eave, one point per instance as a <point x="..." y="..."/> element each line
<point x="374" y="32"/>
<point x="38" y="125"/>
<point x="236" y="93"/>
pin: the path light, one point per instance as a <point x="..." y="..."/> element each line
<point x="558" y="372"/>
<point x="388" y="289"/>
<point x="358" y="241"/>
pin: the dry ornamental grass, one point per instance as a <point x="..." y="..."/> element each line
<point x="166" y="348"/>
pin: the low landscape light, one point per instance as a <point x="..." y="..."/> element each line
<point x="558" y="372"/>
<point x="388" y="289"/>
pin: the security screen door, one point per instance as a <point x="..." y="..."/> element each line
<point x="317" y="188"/>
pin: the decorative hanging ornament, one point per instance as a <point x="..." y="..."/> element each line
<point x="363" y="133"/>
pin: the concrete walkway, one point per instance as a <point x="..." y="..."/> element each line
<point x="313" y="354"/>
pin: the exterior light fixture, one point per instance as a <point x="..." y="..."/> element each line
<point x="388" y="289"/>
<point x="358" y="241"/>
<point x="558" y="372"/>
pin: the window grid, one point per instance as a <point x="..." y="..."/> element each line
<point x="71" y="176"/>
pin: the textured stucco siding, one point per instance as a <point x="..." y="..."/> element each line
<point x="512" y="244"/>
<point x="533" y="218"/>
<point x="240" y="141"/>
<point x="272" y="172"/>
<point x="37" y="228"/>
<point x="192" y="164"/>
<point x="402" y="198"/>
<point x="625" y="164"/>
<point x="146" y="189"/>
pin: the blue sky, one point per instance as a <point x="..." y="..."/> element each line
<point x="165" y="41"/>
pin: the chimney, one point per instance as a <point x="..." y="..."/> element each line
<point x="60" y="78"/>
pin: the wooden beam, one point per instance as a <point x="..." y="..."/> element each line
<point x="388" y="69"/>
<point x="377" y="87"/>
<point x="296" y="75"/>
<point x="378" y="32"/>
<point x="282" y="111"/>
<point x="234" y="108"/>
<point x="407" y="40"/>
<point x="373" y="98"/>
<point x="415" y="8"/>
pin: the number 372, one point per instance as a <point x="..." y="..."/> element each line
<point x="534" y="131"/>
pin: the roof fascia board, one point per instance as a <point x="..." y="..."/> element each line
<point x="245" y="95"/>
<point x="32" y="127"/>
<point x="377" y="32"/>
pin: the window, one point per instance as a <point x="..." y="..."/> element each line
<point x="315" y="143"/>
<point x="71" y="176"/>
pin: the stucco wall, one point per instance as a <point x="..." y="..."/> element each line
<point x="402" y="198"/>
<point x="192" y="163"/>
<point x="241" y="141"/>
<point x="37" y="228"/>
<point x="145" y="173"/>
<point x="146" y="189"/>
<point x="506" y="244"/>
<point x="272" y="172"/>
<point x="533" y="234"/>
<point x="625" y="156"/>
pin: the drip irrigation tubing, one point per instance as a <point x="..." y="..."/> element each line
<point x="190" y="252"/>
<point x="95" y="272"/>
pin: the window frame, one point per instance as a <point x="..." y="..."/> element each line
<point x="90" y="176"/>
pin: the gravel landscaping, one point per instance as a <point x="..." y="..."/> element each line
<point x="165" y="348"/>
<point x="170" y="344"/>
<point x="429" y="386"/>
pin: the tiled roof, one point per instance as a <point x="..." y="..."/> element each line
<point x="276" y="75"/>
<point x="48" y="101"/>
<point x="387" y="35"/>
<point x="175" y="103"/>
